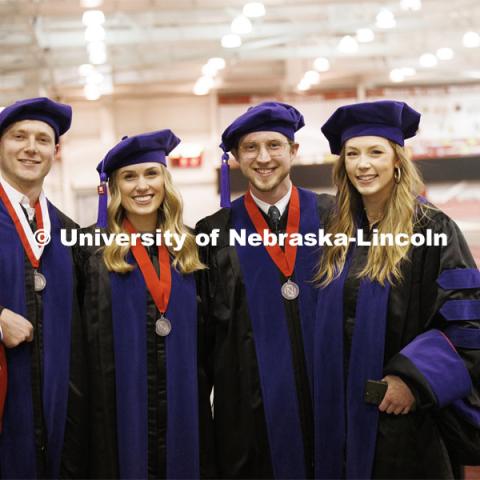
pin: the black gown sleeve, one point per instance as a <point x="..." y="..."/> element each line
<point x="206" y="342"/>
<point x="75" y="449"/>
<point x="448" y="340"/>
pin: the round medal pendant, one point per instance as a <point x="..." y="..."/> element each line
<point x="39" y="281"/>
<point x="290" y="290"/>
<point x="163" y="326"/>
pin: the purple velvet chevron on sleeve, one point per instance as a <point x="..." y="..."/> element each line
<point x="460" y="310"/>
<point x="437" y="360"/>
<point x="464" y="337"/>
<point x="459" y="279"/>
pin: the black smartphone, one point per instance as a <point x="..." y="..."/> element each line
<point x="375" y="391"/>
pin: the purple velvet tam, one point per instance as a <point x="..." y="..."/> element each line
<point x="148" y="147"/>
<point x="57" y="115"/>
<point x="395" y="121"/>
<point x="145" y="148"/>
<point x="265" y="117"/>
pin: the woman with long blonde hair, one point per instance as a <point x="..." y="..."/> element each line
<point x="397" y="339"/>
<point x="141" y="320"/>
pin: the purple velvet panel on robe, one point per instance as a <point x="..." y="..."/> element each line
<point x="366" y="363"/>
<point x="129" y="300"/>
<point x="17" y="441"/>
<point x="329" y="387"/>
<point x="269" y="324"/>
<point x="346" y="426"/>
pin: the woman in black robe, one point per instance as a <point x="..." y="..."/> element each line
<point x="141" y="320"/>
<point x="397" y="339"/>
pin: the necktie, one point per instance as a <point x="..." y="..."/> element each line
<point x="32" y="222"/>
<point x="274" y="218"/>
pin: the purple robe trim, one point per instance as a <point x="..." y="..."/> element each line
<point x="464" y="337"/>
<point x="269" y="324"/>
<point x="17" y="441"/>
<point x="459" y="279"/>
<point x="129" y="301"/>
<point x="345" y="447"/>
<point x="444" y="370"/>
<point x="366" y="363"/>
<point x="329" y="388"/>
<point x="454" y="310"/>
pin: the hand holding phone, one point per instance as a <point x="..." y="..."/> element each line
<point x="375" y="391"/>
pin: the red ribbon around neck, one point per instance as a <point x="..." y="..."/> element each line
<point x="284" y="260"/>
<point x="158" y="286"/>
<point x="18" y="226"/>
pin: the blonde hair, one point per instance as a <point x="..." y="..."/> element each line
<point x="170" y="218"/>
<point x="400" y="210"/>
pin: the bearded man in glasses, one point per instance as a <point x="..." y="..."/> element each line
<point x="258" y="305"/>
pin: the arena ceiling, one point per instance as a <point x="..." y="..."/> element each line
<point x="143" y="47"/>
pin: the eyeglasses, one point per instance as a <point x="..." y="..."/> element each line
<point x="275" y="148"/>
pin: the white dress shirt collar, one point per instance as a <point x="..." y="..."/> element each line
<point x="281" y="204"/>
<point x="18" y="197"/>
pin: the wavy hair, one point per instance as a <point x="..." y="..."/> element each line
<point x="400" y="211"/>
<point x="170" y="218"/>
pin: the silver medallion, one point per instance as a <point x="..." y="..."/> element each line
<point x="163" y="326"/>
<point x="39" y="281"/>
<point x="290" y="290"/>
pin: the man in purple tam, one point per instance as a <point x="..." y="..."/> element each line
<point x="258" y="304"/>
<point x="42" y="425"/>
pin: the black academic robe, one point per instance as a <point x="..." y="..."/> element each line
<point x="152" y="444"/>
<point x="255" y="351"/>
<point x="44" y="429"/>
<point x="415" y="336"/>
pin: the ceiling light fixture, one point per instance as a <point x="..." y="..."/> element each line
<point x="85" y="69"/>
<point x="471" y="40"/>
<point x="241" y="25"/>
<point x="397" y="75"/>
<point x="214" y="64"/>
<point x="93" y="17"/>
<point x="209" y="70"/>
<point x="408" y="71"/>
<point x="445" y="53"/>
<point x="94" y="77"/>
<point x="91" y="91"/>
<point x="385" y="19"/>
<point x="303" y="86"/>
<point x="217" y="62"/>
<point x="348" y="45"/>
<point x="203" y="86"/>
<point x="365" y="35"/>
<point x="321" y="64"/>
<point x="254" y="9"/>
<point x="312" y="77"/>
<point x="231" y="40"/>
<point x="200" y="90"/>
<point x="428" y="60"/>
<point x="97" y="53"/>
<point x="94" y="33"/>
